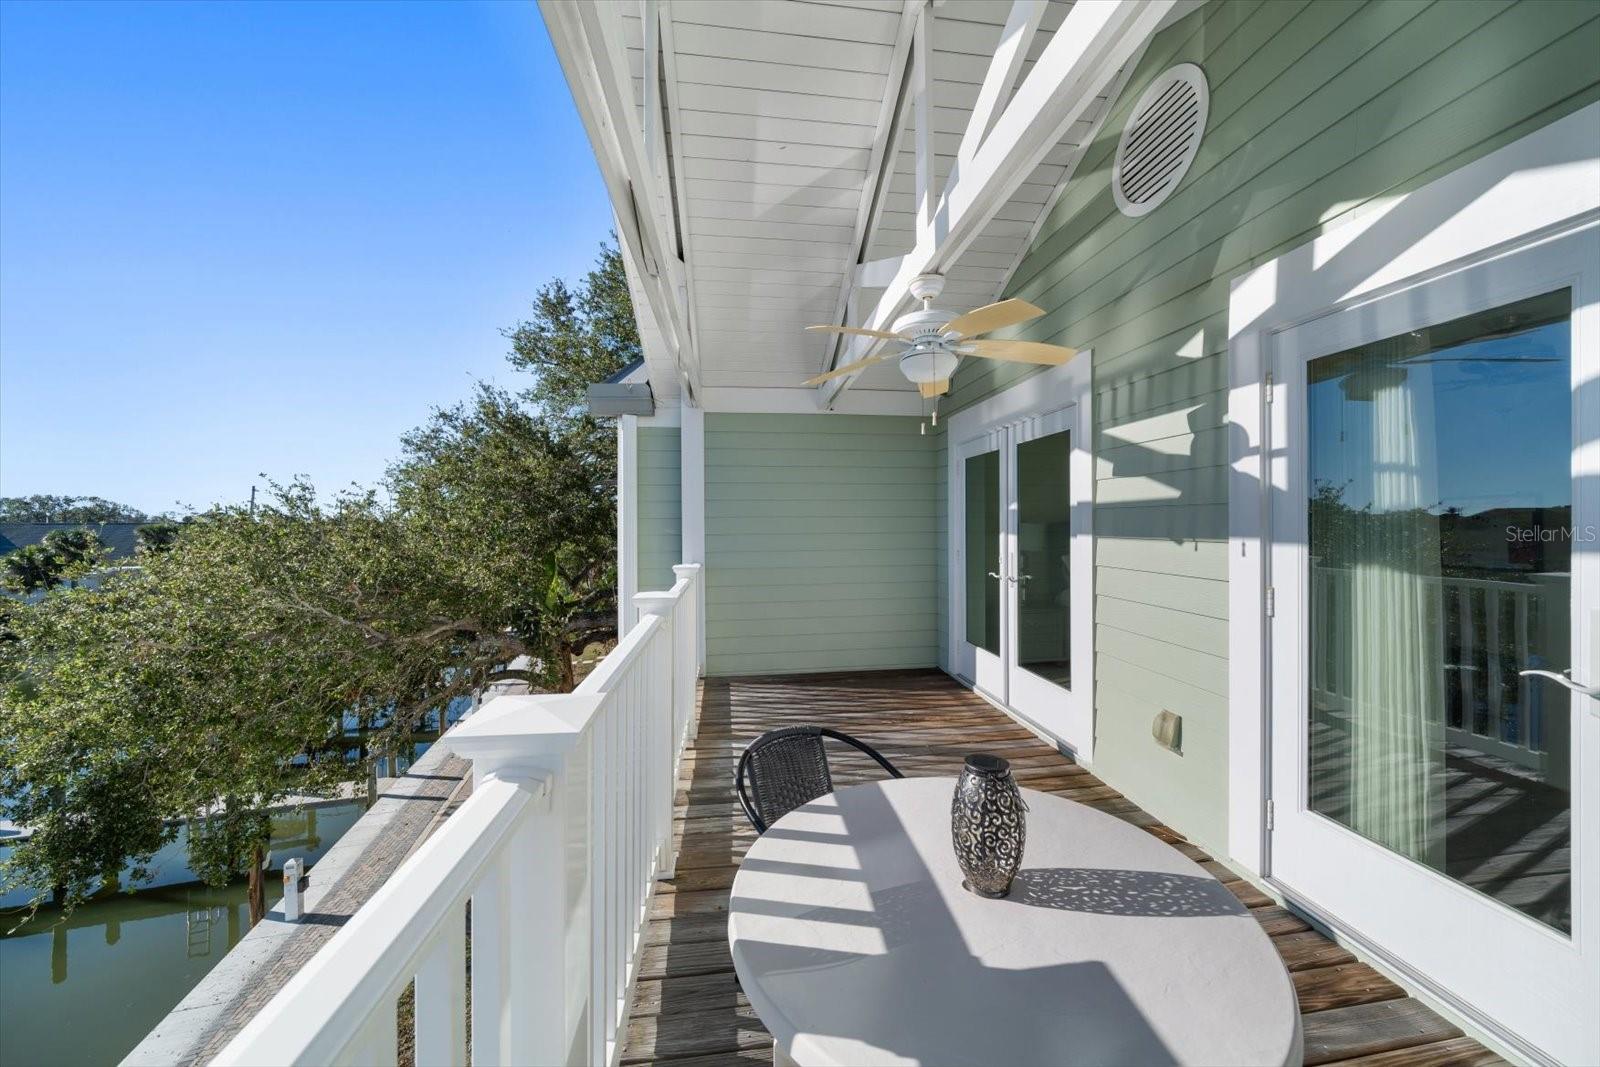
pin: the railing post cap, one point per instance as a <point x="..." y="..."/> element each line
<point x="686" y="570"/>
<point x="516" y="736"/>
<point x="654" y="603"/>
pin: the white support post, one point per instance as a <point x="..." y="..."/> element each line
<point x="692" y="502"/>
<point x="627" y="520"/>
<point x="521" y="920"/>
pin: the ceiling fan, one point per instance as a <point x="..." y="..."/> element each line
<point x="931" y="342"/>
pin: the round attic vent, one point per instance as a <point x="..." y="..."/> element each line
<point x="1160" y="140"/>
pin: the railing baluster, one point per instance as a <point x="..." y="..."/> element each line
<point x="1493" y="683"/>
<point x="1524" y="659"/>
<point x="614" y="862"/>
<point x="440" y="999"/>
<point x="599" y="801"/>
<point x="489" y="904"/>
<point x="375" y="1045"/>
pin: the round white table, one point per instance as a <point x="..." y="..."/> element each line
<point x="856" y="944"/>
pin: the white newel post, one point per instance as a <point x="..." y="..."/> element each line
<point x="662" y="604"/>
<point x="694" y="656"/>
<point x="690" y="572"/>
<point x="530" y="973"/>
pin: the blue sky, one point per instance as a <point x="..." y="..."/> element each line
<point x="267" y="237"/>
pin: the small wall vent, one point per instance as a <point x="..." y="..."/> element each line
<point x="1160" y="140"/>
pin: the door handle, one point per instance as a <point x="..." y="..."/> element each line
<point x="1590" y="691"/>
<point x="995" y="576"/>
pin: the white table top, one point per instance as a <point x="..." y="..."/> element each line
<point x="856" y="944"/>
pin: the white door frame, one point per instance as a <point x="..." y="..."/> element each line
<point x="1525" y="195"/>
<point x="1056" y="389"/>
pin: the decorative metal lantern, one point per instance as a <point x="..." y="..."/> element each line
<point x="988" y="824"/>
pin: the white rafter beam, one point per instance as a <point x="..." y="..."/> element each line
<point x="1083" y="57"/>
<point x="1021" y="24"/>
<point x="880" y="168"/>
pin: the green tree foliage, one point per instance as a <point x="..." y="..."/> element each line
<point x="63" y="554"/>
<point x="157" y="536"/>
<point x="30" y="569"/>
<point x="47" y="508"/>
<point x="577" y="337"/>
<point x="219" y="678"/>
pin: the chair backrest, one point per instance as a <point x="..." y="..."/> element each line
<point x="787" y="768"/>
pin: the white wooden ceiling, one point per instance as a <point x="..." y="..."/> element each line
<point x="773" y="112"/>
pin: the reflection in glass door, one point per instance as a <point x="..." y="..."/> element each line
<point x="982" y="492"/>
<point x="983" y="551"/>
<point x="1433" y="539"/>
<point x="1044" y="557"/>
<point x="1440" y="520"/>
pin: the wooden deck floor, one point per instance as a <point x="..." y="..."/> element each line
<point x="688" y="1007"/>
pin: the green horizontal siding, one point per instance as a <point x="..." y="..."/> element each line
<point x="821" y="544"/>
<point x="660" y="507"/>
<point x="1317" y="109"/>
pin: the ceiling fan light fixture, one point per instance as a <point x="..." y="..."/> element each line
<point x="921" y="365"/>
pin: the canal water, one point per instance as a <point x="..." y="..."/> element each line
<point x="84" y="990"/>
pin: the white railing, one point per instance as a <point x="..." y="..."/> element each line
<point x="553" y="857"/>
<point x="1490" y="630"/>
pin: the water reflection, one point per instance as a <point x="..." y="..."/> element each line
<point x="85" y="989"/>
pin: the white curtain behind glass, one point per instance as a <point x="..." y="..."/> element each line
<point x="1393" y="624"/>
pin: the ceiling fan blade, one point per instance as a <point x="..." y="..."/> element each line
<point x="848" y="368"/>
<point x="993" y="317"/>
<point x="853" y="331"/>
<point x="1021" y="352"/>
<point x="938" y="388"/>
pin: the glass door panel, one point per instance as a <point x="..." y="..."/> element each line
<point x="983" y="551"/>
<point x="1432" y="538"/>
<point x="1044" y="560"/>
<point x="1440" y="529"/>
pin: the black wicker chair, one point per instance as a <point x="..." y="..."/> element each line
<point x="787" y="768"/>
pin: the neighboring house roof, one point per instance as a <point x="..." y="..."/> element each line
<point x="120" y="538"/>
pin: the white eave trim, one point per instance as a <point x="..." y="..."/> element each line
<point x="602" y="89"/>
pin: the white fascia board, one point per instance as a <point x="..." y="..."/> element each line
<point x="602" y="89"/>
<point x="1093" y="44"/>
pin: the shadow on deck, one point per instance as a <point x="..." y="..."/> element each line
<point x="687" y="1004"/>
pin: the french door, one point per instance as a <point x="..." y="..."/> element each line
<point x="1436" y="539"/>
<point x="1021" y="566"/>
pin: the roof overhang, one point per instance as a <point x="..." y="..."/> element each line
<point x="779" y="164"/>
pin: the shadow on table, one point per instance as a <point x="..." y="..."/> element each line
<point x="932" y="1003"/>
<point x="1103" y="891"/>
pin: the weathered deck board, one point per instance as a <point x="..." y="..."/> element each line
<point x="687" y="1005"/>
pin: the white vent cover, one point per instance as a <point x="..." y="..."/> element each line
<point x="1160" y="140"/>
